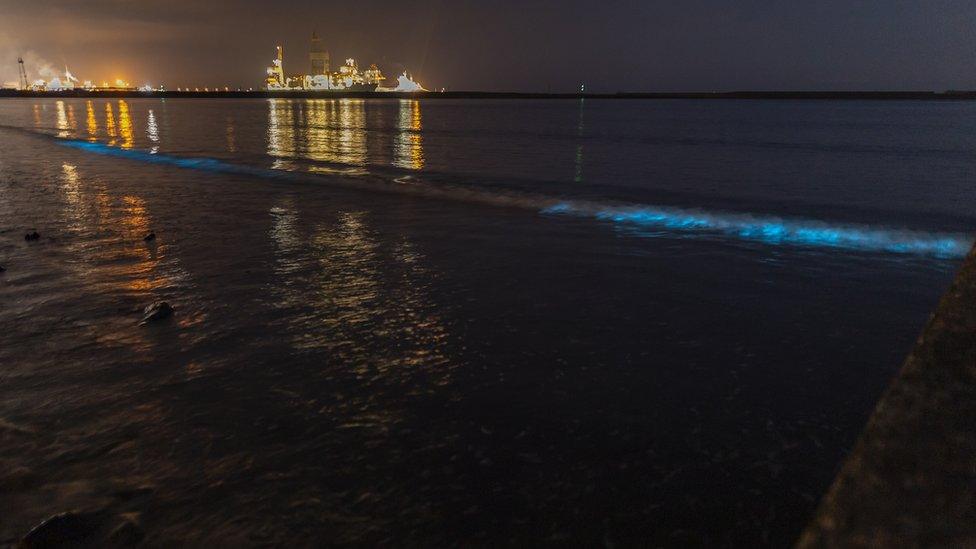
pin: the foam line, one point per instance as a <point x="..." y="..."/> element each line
<point x="775" y="231"/>
<point x="205" y="164"/>
<point x="768" y="230"/>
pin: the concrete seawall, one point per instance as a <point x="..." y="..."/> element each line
<point x="911" y="478"/>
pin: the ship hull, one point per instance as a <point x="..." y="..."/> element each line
<point x="361" y="87"/>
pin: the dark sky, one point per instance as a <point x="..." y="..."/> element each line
<point x="533" y="45"/>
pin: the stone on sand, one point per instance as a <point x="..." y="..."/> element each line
<point x="157" y="310"/>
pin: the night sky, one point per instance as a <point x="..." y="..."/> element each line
<point x="651" y="45"/>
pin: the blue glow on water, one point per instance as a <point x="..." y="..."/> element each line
<point x="767" y="230"/>
<point x="205" y="164"/>
<point x="776" y="231"/>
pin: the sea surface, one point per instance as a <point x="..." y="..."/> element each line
<point x="474" y="322"/>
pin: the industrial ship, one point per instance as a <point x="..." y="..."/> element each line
<point x="349" y="77"/>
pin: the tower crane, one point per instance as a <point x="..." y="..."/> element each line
<point x="23" y="73"/>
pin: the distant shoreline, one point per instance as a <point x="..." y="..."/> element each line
<point x="308" y="94"/>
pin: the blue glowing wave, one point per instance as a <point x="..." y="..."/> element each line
<point x="770" y="230"/>
<point x="205" y="164"/>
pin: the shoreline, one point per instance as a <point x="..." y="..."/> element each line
<point x="908" y="479"/>
<point x="332" y="279"/>
<point x="311" y="94"/>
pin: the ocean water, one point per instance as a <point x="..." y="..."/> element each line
<point x="473" y="322"/>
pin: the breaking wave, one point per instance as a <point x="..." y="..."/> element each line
<point x="773" y="230"/>
<point x="205" y="164"/>
<point x="768" y="230"/>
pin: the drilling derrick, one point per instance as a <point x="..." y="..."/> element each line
<point x="318" y="56"/>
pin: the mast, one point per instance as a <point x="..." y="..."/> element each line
<point x="279" y="67"/>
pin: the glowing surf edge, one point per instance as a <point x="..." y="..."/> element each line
<point x="767" y="230"/>
<point x="205" y="164"/>
<point x="775" y="231"/>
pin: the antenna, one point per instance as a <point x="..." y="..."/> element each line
<point x="23" y="73"/>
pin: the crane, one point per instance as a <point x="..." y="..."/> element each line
<point x="23" y="73"/>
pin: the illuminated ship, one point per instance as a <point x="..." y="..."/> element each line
<point x="348" y="78"/>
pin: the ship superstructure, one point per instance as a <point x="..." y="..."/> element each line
<point x="349" y="77"/>
<point x="276" y="73"/>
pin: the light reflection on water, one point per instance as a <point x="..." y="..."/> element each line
<point x="347" y="279"/>
<point x="330" y="136"/>
<point x="110" y="124"/>
<point x="333" y="134"/>
<point x="72" y="121"/>
<point x="91" y="121"/>
<point x="71" y="188"/>
<point x="125" y="125"/>
<point x="410" y="141"/>
<point x="365" y="357"/>
<point x="62" y="120"/>
<point x="108" y="229"/>
<point x="344" y="291"/>
<point x="152" y="131"/>
<point x="281" y="132"/>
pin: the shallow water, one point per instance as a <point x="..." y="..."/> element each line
<point x="481" y="321"/>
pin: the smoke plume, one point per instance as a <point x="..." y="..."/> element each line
<point x="36" y="66"/>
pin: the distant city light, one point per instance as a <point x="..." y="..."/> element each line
<point x="348" y="77"/>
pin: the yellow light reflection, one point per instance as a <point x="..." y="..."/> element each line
<point x="335" y="133"/>
<point x="91" y="121"/>
<point x="37" y="115"/>
<point x="70" y="184"/>
<point x="352" y="139"/>
<point x="125" y="125"/>
<point x="109" y="230"/>
<point x="336" y="278"/>
<point x="409" y="147"/>
<point x="62" y="119"/>
<point x="110" y="123"/>
<point x="134" y="218"/>
<point x="281" y="131"/>
<point x="71" y="175"/>
<point x="348" y="278"/>
<point x="74" y="208"/>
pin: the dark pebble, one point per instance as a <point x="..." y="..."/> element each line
<point x="149" y="237"/>
<point x="70" y="529"/>
<point x="32" y="236"/>
<point x="157" y="310"/>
